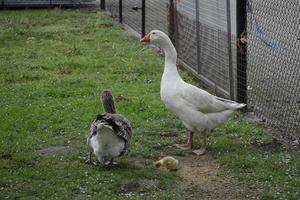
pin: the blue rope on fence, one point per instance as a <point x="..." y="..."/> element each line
<point x="260" y="34"/>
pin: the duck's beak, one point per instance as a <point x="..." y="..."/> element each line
<point x="146" y="38"/>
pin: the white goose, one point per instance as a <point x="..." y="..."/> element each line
<point x="199" y="111"/>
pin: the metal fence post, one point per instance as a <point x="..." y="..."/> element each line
<point x="241" y="26"/>
<point x="198" y="36"/>
<point x="143" y="17"/>
<point x="175" y="24"/>
<point x="230" y="67"/>
<point x="120" y="11"/>
<point x="102" y="4"/>
<point x="171" y="20"/>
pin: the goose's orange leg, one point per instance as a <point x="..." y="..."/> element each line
<point x="188" y="145"/>
<point x="203" y="144"/>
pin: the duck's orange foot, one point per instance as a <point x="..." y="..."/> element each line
<point x="200" y="152"/>
<point x="183" y="146"/>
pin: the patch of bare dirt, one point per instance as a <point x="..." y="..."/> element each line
<point x="201" y="179"/>
<point x="268" y="147"/>
<point x="54" y="150"/>
<point x="140" y="188"/>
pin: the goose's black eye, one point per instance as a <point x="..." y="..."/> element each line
<point x="153" y="33"/>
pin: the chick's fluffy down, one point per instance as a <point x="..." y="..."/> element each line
<point x="167" y="162"/>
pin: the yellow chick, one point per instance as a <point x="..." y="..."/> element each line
<point x="167" y="162"/>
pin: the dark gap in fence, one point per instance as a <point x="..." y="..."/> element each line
<point x="230" y="64"/>
<point x="143" y="18"/>
<point x="241" y="27"/>
<point x="120" y="11"/>
<point x="198" y="37"/>
<point x="102" y="5"/>
<point x="171" y="20"/>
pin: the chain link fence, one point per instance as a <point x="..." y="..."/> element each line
<point x="157" y="13"/>
<point x="132" y="12"/>
<point x="257" y="62"/>
<point x="113" y="8"/>
<point x="273" y="69"/>
<point x="202" y="42"/>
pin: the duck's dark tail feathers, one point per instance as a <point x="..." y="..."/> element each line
<point x="108" y="102"/>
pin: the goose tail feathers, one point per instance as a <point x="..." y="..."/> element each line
<point x="238" y="105"/>
<point x="232" y="104"/>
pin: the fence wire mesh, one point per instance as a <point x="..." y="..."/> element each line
<point x="273" y="70"/>
<point x="266" y="69"/>
<point x="157" y="15"/>
<point x="186" y="38"/>
<point x="113" y="8"/>
<point x="132" y="14"/>
<point x="210" y="61"/>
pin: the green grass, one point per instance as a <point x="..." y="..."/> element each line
<point x="275" y="171"/>
<point x="54" y="65"/>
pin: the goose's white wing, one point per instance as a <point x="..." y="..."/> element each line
<point x="205" y="102"/>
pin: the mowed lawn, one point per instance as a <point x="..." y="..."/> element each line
<point x="54" y="65"/>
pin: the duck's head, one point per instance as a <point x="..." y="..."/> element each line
<point x="155" y="37"/>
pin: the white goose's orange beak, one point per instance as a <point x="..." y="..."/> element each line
<point x="146" y="39"/>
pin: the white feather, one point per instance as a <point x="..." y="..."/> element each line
<point x="106" y="144"/>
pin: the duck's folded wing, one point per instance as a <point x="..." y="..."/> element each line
<point x="121" y="126"/>
<point x="93" y="128"/>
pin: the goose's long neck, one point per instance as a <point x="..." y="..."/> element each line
<point x="170" y="69"/>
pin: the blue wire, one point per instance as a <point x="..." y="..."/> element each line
<point x="260" y="34"/>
